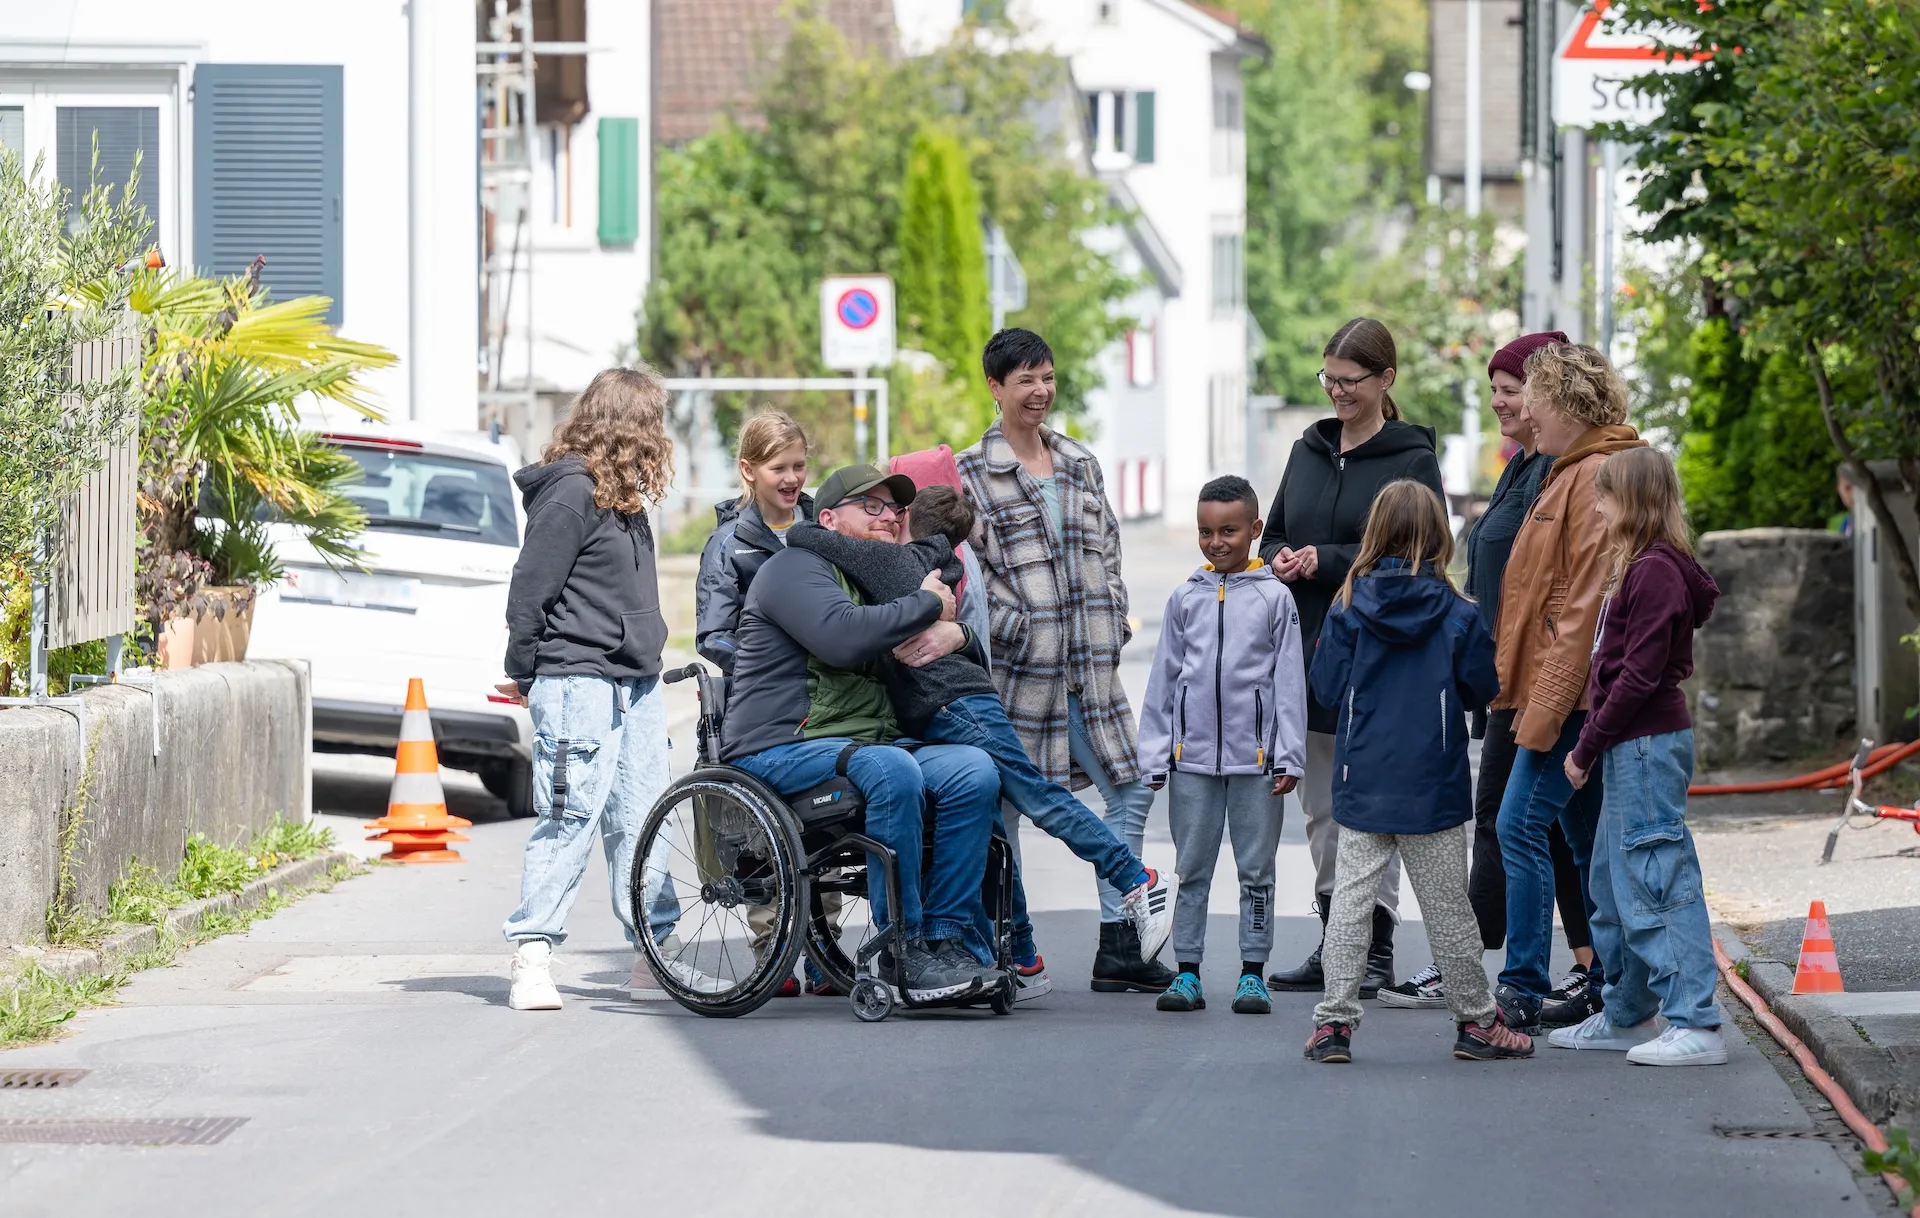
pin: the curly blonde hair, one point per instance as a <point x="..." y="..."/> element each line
<point x="1577" y="381"/>
<point x="618" y="430"/>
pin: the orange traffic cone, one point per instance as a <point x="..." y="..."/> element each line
<point x="1819" y="971"/>
<point x="418" y="829"/>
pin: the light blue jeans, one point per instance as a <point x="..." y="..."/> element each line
<point x="1650" y="924"/>
<point x="1127" y="806"/>
<point x="612" y="736"/>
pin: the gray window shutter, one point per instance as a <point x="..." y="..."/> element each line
<point x="124" y="132"/>
<point x="267" y="175"/>
<point x="1143" y="127"/>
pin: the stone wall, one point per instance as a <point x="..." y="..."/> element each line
<point x="1773" y="668"/>
<point x="234" y="753"/>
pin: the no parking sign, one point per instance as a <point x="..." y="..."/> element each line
<point x="856" y="322"/>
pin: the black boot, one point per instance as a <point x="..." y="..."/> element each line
<point x="1118" y="967"/>
<point x="1308" y="976"/>
<point x="1379" y="974"/>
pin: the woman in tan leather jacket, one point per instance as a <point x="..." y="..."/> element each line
<point x="1550" y="602"/>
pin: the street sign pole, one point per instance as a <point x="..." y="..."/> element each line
<point x="860" y="419"/>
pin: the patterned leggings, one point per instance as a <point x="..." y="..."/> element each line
<point x="1436" y="864"/>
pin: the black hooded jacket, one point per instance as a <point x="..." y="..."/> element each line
<point x="1323" y="501"/>
<point x="741" y="543"/>
<point x="585" y="598"/>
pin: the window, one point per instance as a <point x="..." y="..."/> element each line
<point x="124" y="135"/>
<point x="267" y="178"/>
<point x="1229" y="137"/>
<point x="1143" y="358"/>
<point x="13" y="130"/>
<point x="1106" y="12"/>
<point x="423" y="494"/>
<point x="1119" y="121"/>
<point x="619" y="181"/>
<point x="1229" y="273"/>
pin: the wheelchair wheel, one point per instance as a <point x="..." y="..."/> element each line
<point x="717" y="892"/>
<point x="872" y="1000"/>
<point x="839" y="923"/>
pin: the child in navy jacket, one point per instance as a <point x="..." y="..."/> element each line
<point x="1404" y="657"/>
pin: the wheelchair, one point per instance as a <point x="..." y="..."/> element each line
<point x="732" y="882"/>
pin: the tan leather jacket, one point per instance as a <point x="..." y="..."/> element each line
<point x="1551" y="593"/>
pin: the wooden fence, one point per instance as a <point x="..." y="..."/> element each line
<point x="90" y="588"/>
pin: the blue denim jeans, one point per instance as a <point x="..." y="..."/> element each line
<point x="897" y="782"/>
<point x="613" y="735"/>
<point x="1538" y="794"/>
<point x="981" y="720"/>
<point x="1650" y="925"/>
<point x="1127" y="806"/>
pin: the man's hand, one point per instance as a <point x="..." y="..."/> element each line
<point x="1284" y="783"/>
<point x="949" y="609"/>
<point x="1575" y="775"/>
<point x="511" y="690"/>
<point x="939" y="639"/>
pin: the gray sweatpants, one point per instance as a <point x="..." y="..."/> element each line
<point x="1323" y="835"/>
<point x="1437" y="865"/>
<point x="1200" y="807"/>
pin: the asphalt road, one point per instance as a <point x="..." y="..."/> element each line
<point x="363" y="1037"/>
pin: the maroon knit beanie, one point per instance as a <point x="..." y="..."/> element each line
<point x="1512" y="358"/>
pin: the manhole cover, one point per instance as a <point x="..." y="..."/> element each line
<point x="38" y="1079"/>
<point x="144" y="1131"/>
<point x="1796" y="1135"/>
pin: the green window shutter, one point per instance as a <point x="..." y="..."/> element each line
<point x="268" y="175"/>
<point x="1143" y="127"/>
<point x="619" y="181"/>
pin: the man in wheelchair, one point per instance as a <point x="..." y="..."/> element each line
<point x="807" y="684"/>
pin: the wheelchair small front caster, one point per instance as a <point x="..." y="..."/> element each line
<point x="872" y="1000"/>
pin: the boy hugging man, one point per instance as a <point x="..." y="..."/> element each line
<point x="952" y="700"/>
<point x="1226" y="719"/>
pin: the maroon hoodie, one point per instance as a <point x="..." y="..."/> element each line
<point x="1644" y="650"/>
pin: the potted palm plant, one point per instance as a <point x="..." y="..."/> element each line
<point x="224" y="460"/>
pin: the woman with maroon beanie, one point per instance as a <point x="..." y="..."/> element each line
<point x="1488" y="546"/>
<point x="1650" y="916"/>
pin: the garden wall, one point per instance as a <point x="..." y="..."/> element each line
<point x="234" y="753"/>
<point x="1773" y="669"/>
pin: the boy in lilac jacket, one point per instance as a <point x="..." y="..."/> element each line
<point x="1226" y="719"/>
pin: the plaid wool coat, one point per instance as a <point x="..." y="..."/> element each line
<point x="1057" y="607"/>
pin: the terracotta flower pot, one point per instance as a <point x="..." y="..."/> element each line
<point x="210" y="636"/>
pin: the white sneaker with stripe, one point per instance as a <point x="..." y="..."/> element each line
<point x="1150" y="908"/>
<point x="1682" y="1047"/>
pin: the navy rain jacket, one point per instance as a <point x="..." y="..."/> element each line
<point x="1403" y="665"/>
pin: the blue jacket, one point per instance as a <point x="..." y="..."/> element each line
<point x="1403" y="665"/>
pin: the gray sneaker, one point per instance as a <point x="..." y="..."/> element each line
<point x="954" y="953"/>
<point x="928" y="976"/>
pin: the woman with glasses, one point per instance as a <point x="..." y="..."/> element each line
<point x="1313" y="533"/>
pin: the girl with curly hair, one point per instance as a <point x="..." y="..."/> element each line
<point x="584" y="636"/>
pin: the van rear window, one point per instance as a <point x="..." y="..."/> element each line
<point x="404" y="491"/>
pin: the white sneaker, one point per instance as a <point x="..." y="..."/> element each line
<point x="1150" y="908"/>
<point x="1598" y="1032"/>
<point x="1682" y="1047"/>
<point x="532" y="974"/>
<point x="1029" y="986"/>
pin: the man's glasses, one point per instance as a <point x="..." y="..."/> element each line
<point x="872" y="506"/>
<point x="1330" y="382"/>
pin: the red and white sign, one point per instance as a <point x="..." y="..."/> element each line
<point x="856" y="322"/>
<point x="1596" y="60"/>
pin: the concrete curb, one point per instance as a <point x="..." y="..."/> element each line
<point x="106" y="957"/>
<point x="1872" y="1074"/>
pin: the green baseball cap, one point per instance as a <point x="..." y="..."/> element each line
<point x="843" y="484"/>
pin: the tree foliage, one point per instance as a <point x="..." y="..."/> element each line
<point x="943" y="284"/>
<point x="751" y="220"/>
<point x="1788" y="154"/>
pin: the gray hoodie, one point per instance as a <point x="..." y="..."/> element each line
<point x="1229" y="654"/>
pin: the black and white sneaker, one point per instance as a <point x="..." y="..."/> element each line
<point x="1517" y="1011"/>
<point x="1150" y="908"/>
<point x="1421" y="991"/>
<point x="1581" y="1003"/>
<point x="1568" y="986"/>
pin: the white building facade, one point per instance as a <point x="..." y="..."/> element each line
<point x="1161" y="82"/>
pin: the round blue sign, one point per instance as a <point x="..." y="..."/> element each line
<point x="857" y="308"/>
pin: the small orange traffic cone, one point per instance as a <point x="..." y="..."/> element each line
<point x="418" y="829"/>
<point x="1819" y="971"/>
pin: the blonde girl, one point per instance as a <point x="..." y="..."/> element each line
<point x="751" y="529"/>
<point x="1403" y="657"/>
<point x="1650" y="923"/>
<point x="584" y="636"/>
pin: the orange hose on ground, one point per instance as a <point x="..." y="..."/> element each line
<point x="1879" y="761"/>
<point x="1842" y="1103"/>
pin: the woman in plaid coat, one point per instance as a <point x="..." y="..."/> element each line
<point x="1050" y="546"/>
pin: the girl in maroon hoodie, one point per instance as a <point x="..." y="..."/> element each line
<point x="1650" y="922"/>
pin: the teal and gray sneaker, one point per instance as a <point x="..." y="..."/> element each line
<point x="1183" y="995"/>
<point x="1250" y="996"/>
